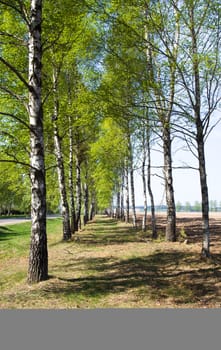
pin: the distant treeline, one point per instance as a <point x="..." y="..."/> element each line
<point x="186" y="207"/>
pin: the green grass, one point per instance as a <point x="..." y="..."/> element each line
<point x="20" y="216"/>
<point x="15" y="239"/>
<point x="14" y="251"/>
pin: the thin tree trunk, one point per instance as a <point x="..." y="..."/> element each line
<point x="71" y="185"/>
<point x="122" y="198"/>
<point x="60" y="167"/>
<point x="153" y="216"/>
<point x="204" y="194"/>
<point x="78" y="193"/>
<point x="171" y="209"/>
<point x="132" y="189"/>
<point x="200" y="141"/>
<point x="38" y="258"/>
<point x="86" y="199"/>
<point x="92" y="208"/>
<point x="144" y="224"/>
<point x="86" y="204"/>
<point x="163" y="105"/>
<point x="118" y="205"/>
<point x="127" y="217"/>
<point x="71" y="155"/>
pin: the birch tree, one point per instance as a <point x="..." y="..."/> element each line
<point x="164" y="37"/>
<point x="199" y="71"/>
<point x="38" y="259"/>
<point x="60" y="162"/>
<point x="28" y="77"/>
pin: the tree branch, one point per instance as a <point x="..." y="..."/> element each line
<point x="16" y="118"/>
<point x="21" y="9"/>
<point x="13" y="94"/>
<point x="16" y="72"/>
<point x="15" y="161"/>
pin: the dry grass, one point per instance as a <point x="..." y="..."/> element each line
<point x="110" y="265"/>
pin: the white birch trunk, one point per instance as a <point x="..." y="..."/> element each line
<point x="92" y="207"/>
<point x="118" y="205"/>
<point x="200" y="141"/>
<point x="70" y="180"/>
<point x="153" y="216"/>
<point x="38" y="258"/>
<point x="122" y="215"/>
<point x="127" y="216"/>
<point x="86" y="204"/>
<point x="144" y="223"/>
<point x="132" y="188"/>
<point x="171" y="209"/>
<point x="86" y="198"/>
<point x="204" y="195"/>
<point x="78" y="193"/>
<point x="60" y="168"/>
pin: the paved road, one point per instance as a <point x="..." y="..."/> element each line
<point x="13" y="221"/>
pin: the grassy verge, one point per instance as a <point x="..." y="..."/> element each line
<point x="14" y="251"/>
<point x="15" y="216"/>
<point x="107" y="265"/>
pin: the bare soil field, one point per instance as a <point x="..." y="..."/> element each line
<point x="191" y="224"/>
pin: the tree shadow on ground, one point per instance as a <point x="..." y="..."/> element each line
<point x="106" y="232"/>
<point x="160" y="276"/>
<point x="6" y="233"/>
<point x="106" y="235"/>
<point x="125" y="236"/>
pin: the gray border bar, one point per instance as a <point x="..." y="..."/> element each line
<point x="118" y="329"/>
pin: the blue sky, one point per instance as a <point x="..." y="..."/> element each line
<point x="186" y="182"/>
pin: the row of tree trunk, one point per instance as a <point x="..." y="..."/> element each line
<point x="72" y="216"/>
<point x="38" y="260"/>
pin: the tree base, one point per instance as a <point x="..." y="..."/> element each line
<point x="205" y="253"/>
<point x="36" y="279"/>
